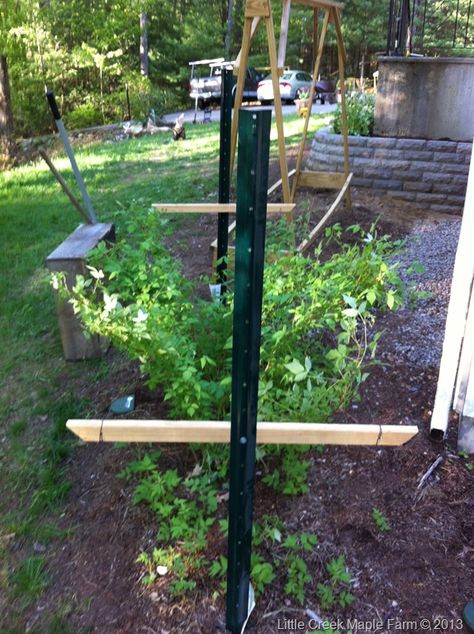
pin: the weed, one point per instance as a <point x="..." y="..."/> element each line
<point x="381" y="522"/>
<point x="30" y="579"/>
<point x="335" y="591"/>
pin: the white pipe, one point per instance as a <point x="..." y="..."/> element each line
<point x="456" y="320"/>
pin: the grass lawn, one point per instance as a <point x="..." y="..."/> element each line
<point x="35" y="217"/>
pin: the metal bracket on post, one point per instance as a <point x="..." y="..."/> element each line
<point x="252" y="183"/>
<point x="224" y="177"/>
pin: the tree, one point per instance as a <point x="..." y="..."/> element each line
<point x="144" y="44"/>
<point x="8" y="150"/>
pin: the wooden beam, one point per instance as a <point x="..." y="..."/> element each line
<point x="341" y="55"/>
<point x="217" y="208"/>
<point x="299" y="160"/>
<point x="239" y="89"/>
<point x="255" y="8"/>
<point x="272" y="52"/>
<point x="285" y="21"/>
<point x="182" y="431"/>
<point x="76" y="204"/>
<point x="276" y="185"/>
<point x="253" y="28"/>
<point x="304" y="246"/>
<point x="320" y="4"/>
<point x="323" y="180"/>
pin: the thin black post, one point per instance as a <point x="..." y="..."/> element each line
<point x="224" y="177"/>
<point x="252" y="183"/>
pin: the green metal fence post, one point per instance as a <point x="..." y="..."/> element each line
<point x="252" y="183"/>
<point x="224" y="177"/>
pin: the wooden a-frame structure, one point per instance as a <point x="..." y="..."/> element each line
<point x="257" y="11"/>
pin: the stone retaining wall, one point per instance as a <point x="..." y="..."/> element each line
<point x="432" y="174"/>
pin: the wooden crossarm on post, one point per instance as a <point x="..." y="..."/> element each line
<point x="217" y="208"/>
<point x="182" y="431"/>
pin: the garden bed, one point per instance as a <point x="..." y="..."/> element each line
<point x="422" y="567"/>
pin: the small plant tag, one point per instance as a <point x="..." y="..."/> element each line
<point x="215" y="290"/>
<point x="251" y="605"/>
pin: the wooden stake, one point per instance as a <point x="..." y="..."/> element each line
<point x="182" y="431"/>
<point x="76" y="204"/>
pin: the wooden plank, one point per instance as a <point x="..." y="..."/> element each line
<point x="320" y="4"/>
<point x="217" y="208"/>
<point x="466" y="365"/>
<point x="276" y="185"/>
<point x="278" y="111"/>
<point x="299" y="160"/>
<point x="463" y="275"/>
<point x="304" y="246"/>
<point x="324" y="180"/>
<point x="341" y="56"/>
<point x="76" y="204"/>
<point x="285" y="21"/>
<point x="255" y="8"/>
<point x="179" y="431"/>
<point x="315" y="34"/>
<point x="253" y="28"/>
<point x="79" y="243"/>
<point x="270" y="191"/>
<point x="239" y="90"/>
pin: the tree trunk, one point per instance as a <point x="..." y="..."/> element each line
<point x="8" y="150"/>
<point x="229" y="29"/>
<point x="144" y="44"/>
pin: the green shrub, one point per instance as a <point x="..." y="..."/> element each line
<point x="314" y="322"/>
<point x="84" y="115"/>
<point x="360" y="115"/>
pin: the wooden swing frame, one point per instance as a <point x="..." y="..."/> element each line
<point x="255" y="12"/>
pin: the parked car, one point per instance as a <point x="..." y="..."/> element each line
<point x="206" y="90"/>
<point x="296" y="84"/>
<point x="293" y="84"/>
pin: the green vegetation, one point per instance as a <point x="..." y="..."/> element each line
<point x="89" y="52"/>
<point x="360" y="115"/>
<point x="381" y="522"/>
<point x="39" y="391"/>
<point x="136" y="296"/>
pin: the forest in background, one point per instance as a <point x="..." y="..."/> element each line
<point x="88" y="52"/>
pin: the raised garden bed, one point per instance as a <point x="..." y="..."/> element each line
<point x="431" y="174"/>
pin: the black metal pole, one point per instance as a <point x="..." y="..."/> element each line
<point x="129" y="111"/>
<point x="252" y="183"/>
<point x="390" y="27"/>
<point x="224" y="177"/>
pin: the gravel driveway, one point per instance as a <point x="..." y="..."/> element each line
<point x="417" y="334"/>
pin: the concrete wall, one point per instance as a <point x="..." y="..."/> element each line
<point x="427" y="98"/>
<point x="430" y="174"/>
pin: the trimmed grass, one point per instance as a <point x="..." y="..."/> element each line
<point x="35" y="217"/>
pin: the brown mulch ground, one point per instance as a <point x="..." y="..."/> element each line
<point x="422" y="568"/>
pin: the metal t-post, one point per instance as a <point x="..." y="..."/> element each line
<point x="224" y="177"/>
<point x="252" y="182"/>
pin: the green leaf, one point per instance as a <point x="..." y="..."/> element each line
<point x="295" y="367"/>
